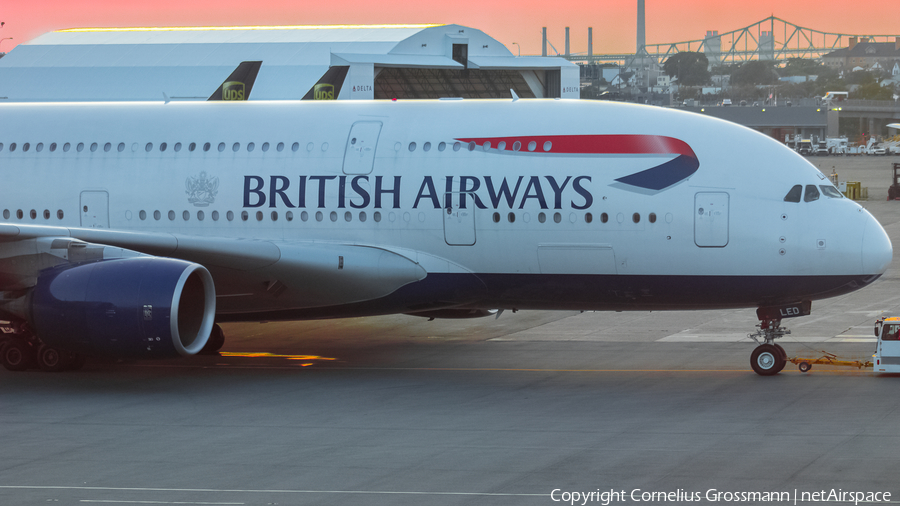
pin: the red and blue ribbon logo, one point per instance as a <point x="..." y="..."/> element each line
<point x="655" y="178"/>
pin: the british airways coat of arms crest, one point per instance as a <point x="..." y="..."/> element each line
<point x="201" y="190"/>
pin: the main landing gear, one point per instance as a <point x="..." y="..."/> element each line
<point x="768" y="359"/>
<point x="21" y="353"/>
<point x="215" y="343"/>
<point x="21" y="350"/>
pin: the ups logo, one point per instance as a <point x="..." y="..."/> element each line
<point x="324" y="92"/>
<point x="233" y="90"/>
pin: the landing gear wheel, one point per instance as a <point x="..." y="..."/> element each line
<point x="215" y="342"/>
<point x="52" y="359"/>
<point x="783" y="357"/>
<point x="766" y="360"/>
<point x="17" y="355"/>
<point x="805" y="366"/>
<point x="779" y="348"/>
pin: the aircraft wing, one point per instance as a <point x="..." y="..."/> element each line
<point x="323" y="273"/>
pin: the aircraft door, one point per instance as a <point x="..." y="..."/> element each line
<point x="95" y="209"/>
<point x="459" y="222"/>
<point x="359" y="156"/>
<point x="711" y="219"/>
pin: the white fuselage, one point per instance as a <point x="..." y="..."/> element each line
<point x="521" y="228"/>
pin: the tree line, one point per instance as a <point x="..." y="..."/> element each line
<point x="693" y="69"/>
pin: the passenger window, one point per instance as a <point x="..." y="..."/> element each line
<point x="831" y="192"/>
<point x="794" y="194"/>
<point x="812" y="193"/>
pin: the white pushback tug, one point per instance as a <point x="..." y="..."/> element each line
<point x="887" y="351"/>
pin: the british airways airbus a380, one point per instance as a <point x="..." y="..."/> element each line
<point x="130" y="229"/>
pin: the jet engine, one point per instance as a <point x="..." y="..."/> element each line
<point x="141" y="307"/>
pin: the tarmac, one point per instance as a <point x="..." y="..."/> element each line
<point x="518" y="410"/>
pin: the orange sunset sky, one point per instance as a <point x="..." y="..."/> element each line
<point x="520" y="21"/>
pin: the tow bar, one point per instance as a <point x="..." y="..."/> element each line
<point x="805" y="364"/>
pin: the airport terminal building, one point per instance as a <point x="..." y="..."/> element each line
<point x="366" y="62"/>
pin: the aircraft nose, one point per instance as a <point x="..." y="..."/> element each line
<point x="876" y="248"/>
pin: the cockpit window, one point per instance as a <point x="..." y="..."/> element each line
<point x="812" y="193"/>
<point x="831" y="192"/>
<point x="794" y="194"/>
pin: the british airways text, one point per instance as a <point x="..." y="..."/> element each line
<point x="380" y="192"/>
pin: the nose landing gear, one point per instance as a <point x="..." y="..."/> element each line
<point x="768" y="359"/>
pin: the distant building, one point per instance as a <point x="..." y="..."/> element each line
<point x="894" y="80"/>
<point x="596" y="72"/>
<point x="797" y="79"/>
<point x="723" y="81"/>
<point x="775" y="122"/>
<point x="862" y="53"/>
<point x="625" y="79"/>
<point x="645" y="70"/>
<point x="188" y="63"/>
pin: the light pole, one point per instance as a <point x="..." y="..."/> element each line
<point x="1" y="26"/>
<point x="519" y="48"/>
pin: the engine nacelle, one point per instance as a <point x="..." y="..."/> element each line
<point x="144" y="307"/>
